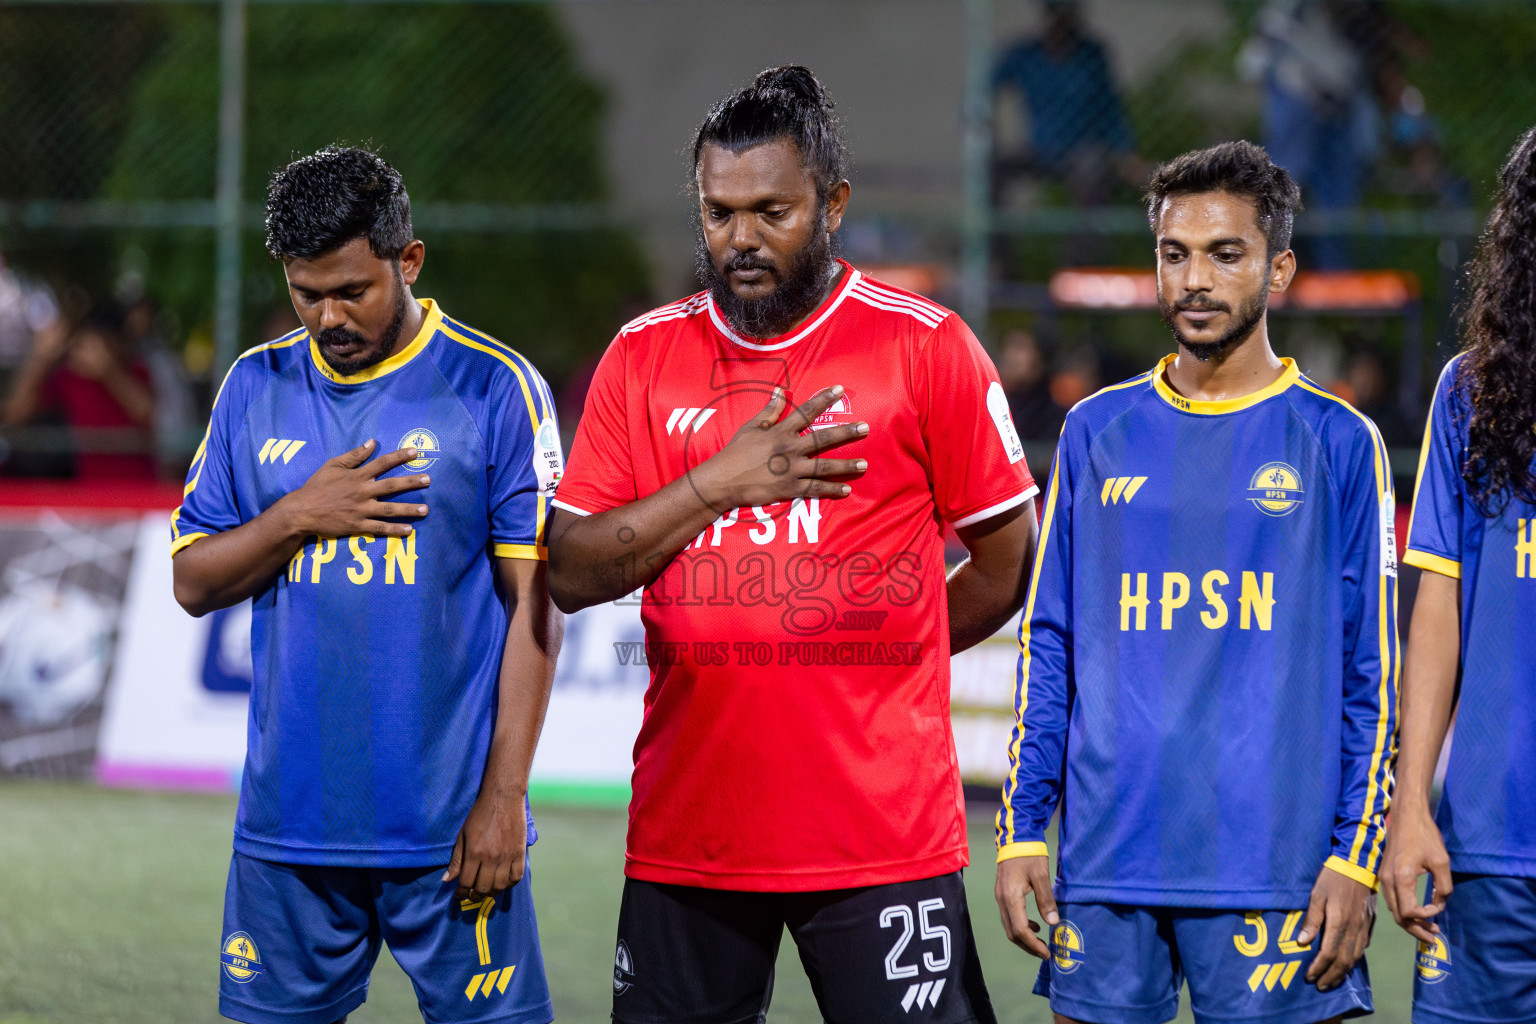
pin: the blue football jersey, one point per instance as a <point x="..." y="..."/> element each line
<point x="1487" y="812"/>
<point x="376" y="659"/>
<point x="1207" y="678"/>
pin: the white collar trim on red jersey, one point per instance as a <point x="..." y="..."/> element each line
<point x="851" y="278"/>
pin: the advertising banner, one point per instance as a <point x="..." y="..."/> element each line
<point x="62" y="579"/>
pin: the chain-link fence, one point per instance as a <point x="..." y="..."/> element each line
<point x="998" y="144"/>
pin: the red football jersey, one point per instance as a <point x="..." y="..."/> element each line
<point x="797" y="732"/>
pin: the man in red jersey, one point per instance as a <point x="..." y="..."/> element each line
<point x="774" y="460"/>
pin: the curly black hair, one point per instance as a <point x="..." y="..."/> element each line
<point x="786" y="102"/>
<point x="1498" y="371"/>
<point x="319" y="203"/>
<point x="1240" y="168"/>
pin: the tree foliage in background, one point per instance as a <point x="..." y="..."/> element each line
<point x="473" y="103"/>
<point x="1478" y="80"/>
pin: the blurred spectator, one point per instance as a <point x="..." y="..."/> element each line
<point x="1320" y="117"/>
<point x="25" y="309"/>
<point x="1418" y="168"/>
<point x="1078" y="131"/>
<point x="1367" y="385"/>
<point x="177" y="424"/>
<point x="1022" y="366"/>
<point x="104" y="394"/>
<point x="1078" y="377"/>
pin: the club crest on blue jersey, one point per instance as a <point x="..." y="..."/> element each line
<point x="1276" y="489"/>
<point x="425" y="443"/>
<point x="1067" y="952"/>
<point x="240" y="959"/>
<point x="1434" y="961"/>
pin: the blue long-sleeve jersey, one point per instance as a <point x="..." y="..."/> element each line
<point x="1207" y="679"/>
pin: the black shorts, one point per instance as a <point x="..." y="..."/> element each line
<point x="898" y="952"/>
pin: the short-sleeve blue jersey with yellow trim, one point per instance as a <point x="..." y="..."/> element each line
<point x="1207" y="680"/>
<point x="375" y="660"/>
<point x="1485" y="811"/>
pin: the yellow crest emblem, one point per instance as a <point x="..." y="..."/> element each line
<point x="240" y="958"/>
<point x="1276" y="489"/>
<point x="1067" y="947"/>
<point x="1434" y="961"/>
<point x="425" y="443"/>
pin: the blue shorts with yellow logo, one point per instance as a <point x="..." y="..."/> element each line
<point x="300" y="941"/>
<point x="1483" y="965"/>
<point x="1117" y="964"/>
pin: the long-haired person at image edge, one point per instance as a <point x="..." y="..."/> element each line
<point x="1207" y="679"/>
<point x="1472" y="648"/>
<point x="403" y="646"/>
<point x="774" y="460"/>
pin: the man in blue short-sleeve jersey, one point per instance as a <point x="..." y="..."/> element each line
<point x="377" y="483"/>
<point x="1472" y="650"/>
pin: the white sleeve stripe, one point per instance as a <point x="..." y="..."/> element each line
<point x="998" y="509"/>
<point x="557" y="503"/>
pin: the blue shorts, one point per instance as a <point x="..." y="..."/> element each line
<point x="300" y="941"/>
<point x="1117" y="964"/>
<point x="1483" y="968"/>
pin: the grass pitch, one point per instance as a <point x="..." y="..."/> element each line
<point x="111" y="905"/>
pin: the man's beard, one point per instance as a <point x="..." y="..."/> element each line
<point x="387" y="341"/>
<point x="800" y="285"/>
<point x="1247" y="318"/>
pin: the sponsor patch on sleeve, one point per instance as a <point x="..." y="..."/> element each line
<point x="997" y="406"/>
<point x="548" y="459"/>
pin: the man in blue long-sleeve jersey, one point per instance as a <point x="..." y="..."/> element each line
<point x="1208" y="660"/>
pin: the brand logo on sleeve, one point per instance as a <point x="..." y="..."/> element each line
<point x="277" y="448"/>
<point x="1276" y="489"/>
<point x="1120" y="488"/>
<point x="1067" y="952"/>
<point x="242" y="962"/>
<point x="425" y="443"/>
<point x="1434" y="961"/>
<point x="1002" y="419"/>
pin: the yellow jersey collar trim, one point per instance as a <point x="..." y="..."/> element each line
<point x="1290" y="375"/>
<point x="429" y="325"/>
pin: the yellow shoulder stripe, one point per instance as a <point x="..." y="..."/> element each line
<point x="1379" y="780"/>
<point x="1005" y="813"/>
<point x="541" y="510"/>
<point x="509" y="350"/>
<point x="202" y="448"/>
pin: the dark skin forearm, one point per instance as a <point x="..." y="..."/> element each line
<point x="1429" y="688"/>
<point x="1414" y="844"/>
<point x="341" y="499"/>
<point x="491" y="850"/>
<point x="602" y="557"/>
<point x="987" y="589"/>
<point x="226" y="568"/>
<point x="772" y="458"/>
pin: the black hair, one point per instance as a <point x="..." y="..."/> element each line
<point x="318" y="203"/>
<point x="1498" y="371"/>
<point x="781" y="103"/>
<point x="1240" y="168"/>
